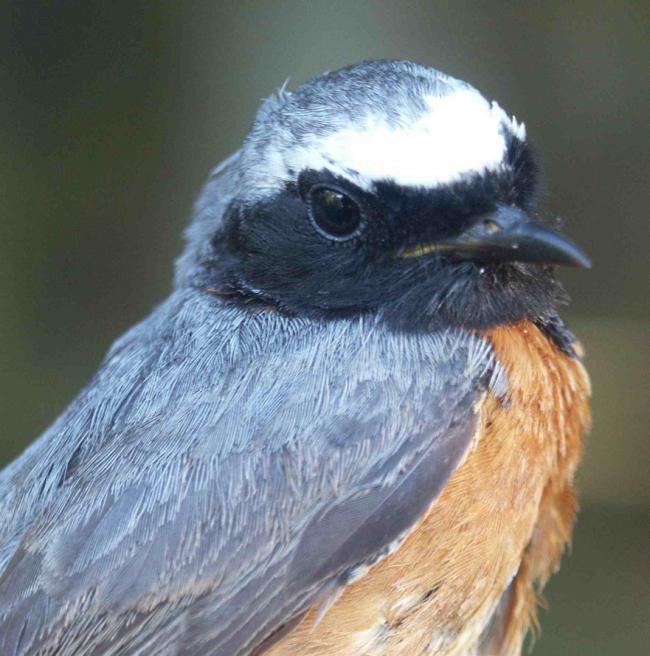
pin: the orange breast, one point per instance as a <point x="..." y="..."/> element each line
<point x="504" y="518"/>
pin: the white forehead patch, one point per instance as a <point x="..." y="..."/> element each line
<point x="460" y="134"/>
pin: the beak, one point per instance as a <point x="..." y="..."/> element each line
<point x="506" y="235"/>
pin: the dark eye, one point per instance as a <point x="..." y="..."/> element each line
<point x="335" y="215"/>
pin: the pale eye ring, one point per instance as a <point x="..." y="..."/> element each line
<point x="334" y="214"/>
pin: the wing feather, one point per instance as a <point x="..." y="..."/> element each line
<point x="229" y="468"/>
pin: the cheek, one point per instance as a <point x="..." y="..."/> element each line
<point x="271" y="234"/>
<point x="292" y="259"/>
<point x="284" y="256"/>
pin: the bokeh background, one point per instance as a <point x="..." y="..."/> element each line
<point x="112" y="114"/>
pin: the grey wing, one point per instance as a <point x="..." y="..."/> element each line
<point x="234" y="502"/>
<point x="33" y="481"/>
<point x="223" y="470"/>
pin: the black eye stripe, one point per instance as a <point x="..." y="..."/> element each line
<point x="334" y="213"/>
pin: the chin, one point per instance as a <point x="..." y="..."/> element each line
<point x="477" y="297"/>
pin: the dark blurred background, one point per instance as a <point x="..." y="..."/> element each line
<point x="112" y="114"/>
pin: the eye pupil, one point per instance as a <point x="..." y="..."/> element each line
<point x="334" y="213"/>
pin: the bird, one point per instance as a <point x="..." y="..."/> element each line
<point x="351" y="429"/>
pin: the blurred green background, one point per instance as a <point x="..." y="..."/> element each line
<point x="112" y="114"/>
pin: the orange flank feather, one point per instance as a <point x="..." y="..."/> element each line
<point x="467" y="579"/>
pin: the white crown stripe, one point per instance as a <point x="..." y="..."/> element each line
<point x="460" y="134"/>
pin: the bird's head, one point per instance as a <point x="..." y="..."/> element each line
<point x="390" y="187"/>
